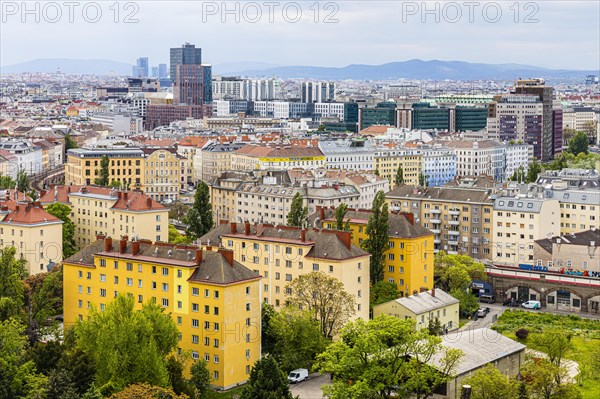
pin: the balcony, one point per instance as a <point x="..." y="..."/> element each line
<point x="451" y="242"/>
<point x="453" y="222"/>
<point x="454" y="212"/>
<point x="436" y="211"/>
<point x="436" y="231"/>
<point x="435" y="221"/>
<point x="452" y="252"/>
<point x="454" y="232"/>
<point x="437" y="241"/>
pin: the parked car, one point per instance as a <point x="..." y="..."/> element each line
<point x="512" y="303"/>
<point x="487" y="298"/>
<point x="532" y="305"/>
<point x="482" y="312"/>
<point x="298" y="375"/>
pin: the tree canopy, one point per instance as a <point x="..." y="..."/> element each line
<point x="199" y="218"/>
<point x="382" y="292"/>
<point x="266" y="381"/>
<point x="298" y="212"/>
<point x="579" y="143"/>
<point x="339" y="214"/>
<point x="63" y="212"/>
<point x="12" y="290"/>
<point x="489" y="383"/>
<point x="377" y="241"/>
<point x="104" y="173"/>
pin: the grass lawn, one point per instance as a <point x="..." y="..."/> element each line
<point x="231" y="394"/>
<point x="584" y="340"/>
<point x="462" y="322"/>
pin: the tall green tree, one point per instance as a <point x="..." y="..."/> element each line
<point x="178" y="211"/>
<point x="533" y="170"/>
<point x="457" y="271"/>
<point x="556" y="344"/>
<point x="423" y="180"/>
<point x="18" y="376"/>
<point x="69" y="142"/>
<point x="175" y="366"/>
<point x="200" y="379"/>
<point x="377" y="241"/>
<point x="298" y="212"/>
<point x="146" y="391"/>
<point x="382" y="292"/>
<point x="199" y="218"/>
<point x="325" y="298"/>
<point x="22" y="181"/>
<point x="373" y="358"/>
<point x="399" y="179"/>
<point x="489" y="383"/>
<point x="339" y="214"/>
<point x="7" y="182"/>
<point x="63" y="212"/>
<point x="266" y="381"/>
<point x="300" y="339"/>
<point x="579" y="143"/>
<point x="12" y="289"/>
<point x="104" y="173"/>
<point x="128" y="346"/>
<point x="268" y="336"/>
<point x="434" y="327"/>
<point x="542" y="378"/>
<point x="43" y="299"/>
<point x="175" y="237"/>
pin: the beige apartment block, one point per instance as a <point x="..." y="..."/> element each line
<point x="387" y="162"/>
<point x="282" y="253"/>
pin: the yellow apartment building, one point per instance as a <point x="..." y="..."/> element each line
<point x="106" y="211"/>
<point x="282" y="253"/>
<point x="461" y="219"/>
<point x="83" y="165"/>
<point x="36" y="234"/>
<point x="164" y="170"/>
<point x="214" y="300"/>
<point x="422" y="307"/>
<point x="387" y="161"/>
<point x="223" y="196"/>
<point x="408" y="262"/>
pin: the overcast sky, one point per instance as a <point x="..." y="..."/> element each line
<point x="566" y="34"/>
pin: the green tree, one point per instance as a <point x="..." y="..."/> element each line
<point x="522" y="391"/>
<point x="7" y="182"/>
<point x="266" y="381"/>
<point x="43" y="299"/>
<point x="518" y="175"/>
<point x="579" y="143"/>
<point x="423" y="180"/>
<point x="200" y="379"/>
<point x="382" y="292"/>
<point x="568" y="134"/>
<point x="542" y="376"/>
<point x="533" y="170"/>
<point x="399" y="179"/>
<point x="377" y="172"/>
<point x="468" y="302"/>
<point x="61" y="385"/>
<point x="117" y="184"/>
<point x="199" y="218"/>
<point x="128" y="346"/>
<point x="489" y="383"/>
<point x="175" y="366"/>
<point x="456" y="272"/>
<point x="300" y="339"/>
<point x="298" y="212"/>
<point x="268" y="336"/>
<point x="104" y="173"/>
<point x="63" y="212"/>
<point x="69" y="142"/>
<point x="556" y="344"/>
<point x="178" y="211"/>
<point x="339" y="214"/>
<point x="22" y="181"/>
<point x="146" y="391"/>
<point x="45" y="355"/>
<point x="18" y="376"/>
<point x="325" y="299"/>
<point x="434" y="327"/>
<point x="176" y="237"/>
<point x="374" y="357"/>
<point x="377" y="241"/>
<point x="12" y="274"/>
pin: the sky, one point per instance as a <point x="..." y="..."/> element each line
<point x="546" y="33"/>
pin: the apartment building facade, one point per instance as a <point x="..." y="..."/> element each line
<point x="214" y="300"/>
<point x="387" y="161"/>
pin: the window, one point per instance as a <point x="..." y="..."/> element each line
<point x="165" y="271"/>
<point x="217" y="292"/>
<point x="103" y="262"/>
<point x="216" y="343"/>
<point x="103" y="278"/>
<point x="129" y="282"/>
<point x="195" y="291"/>
<point x="216" y="359"/>
<point x="165" y="302"/>
<point x="165" y="287"/>
<point x="247" y="353"/>
<point x="316" y="267"/>
<point x="215" y="375"/>
<point x="195" y="323"/>
<point x="102" y="292"/>
<point x="216" y="311"/>
<point x="247" y="306"/>
<point x="195" y="339"/>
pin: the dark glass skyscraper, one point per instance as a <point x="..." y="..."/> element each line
<point x="187" y="54"/>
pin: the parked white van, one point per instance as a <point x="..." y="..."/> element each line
<point x="532" y="305"/>
<point x="298" y="375"/>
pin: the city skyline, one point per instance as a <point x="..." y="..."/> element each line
<point x="380" y="33"/>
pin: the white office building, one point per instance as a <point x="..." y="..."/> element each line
<point x="348" y="154"/>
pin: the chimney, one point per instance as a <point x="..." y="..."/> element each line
<point x="198" y="259"/>
<point x="409" y="216"/>
<point x="233" y="228"/>
<point x="69" y="189"/>
<point x="42" y="193"/>
<point x="119" y="194"/>
<point x="100" y="237"/>
<point x="433" y="292"/>
<point x="321" y="211"/>
<point x="222" y="221"/>
<point x="125" y="195"/>
<point x="303" y="235"/>
<point x="125" y="237"/>
<point x="227" y="254"/>
<point x="135" y="247"/>
<point x="122" y="245"/>
<point x="149" y="202"/>
<point x="345" y="237"/>
<point x="423" y="289"/>
<point x="108" y="244"/>
<point x="247" y="228"/>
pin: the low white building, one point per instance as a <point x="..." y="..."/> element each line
<point x="348" y="154"/>
<point x="27" y="157"/>
<point x="439" y="164"/>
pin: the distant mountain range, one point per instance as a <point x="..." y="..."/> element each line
<point x="412" y="69"/>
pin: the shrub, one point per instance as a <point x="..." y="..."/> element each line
<point x="522" y="333"/>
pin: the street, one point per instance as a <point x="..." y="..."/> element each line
<point x="311" y="389"/>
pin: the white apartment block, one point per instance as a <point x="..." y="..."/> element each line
<point x="327" y="110"/>
<point x="517" y="155"/>
<point x="439" y="164"/>
<point x="348" y="154"/>
<point x="229" y="107"/>
<point x="25" y="156"/>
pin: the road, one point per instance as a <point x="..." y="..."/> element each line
<point x="311" y="389"/>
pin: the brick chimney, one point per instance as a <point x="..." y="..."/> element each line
<point x="125" y="195"/>
<point x="108" y="244"/>
<point x="247" y="228"/>
<point x="409" y="216"/>
<point x="100" y="237"/>
<point x="423" y="289"/>
<point x="321" y="211"/>
<point x="222" y="221"/>
<point x="135" y="247"/>
<point x="433" y="292"/>
<point x="227" y="254"/>
<point x="233" y="228"/>
<point x="303" y="235"/>
<point x="345" y="237"/>
<point x="198" y="259"/>
<point x="122" y="245"/>
<point x="149" y="202"/>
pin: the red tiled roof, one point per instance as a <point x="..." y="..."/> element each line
<point x="31" y="213"/>
<point x="136" y="201"/>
